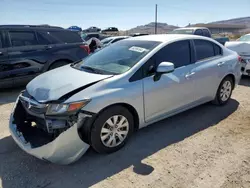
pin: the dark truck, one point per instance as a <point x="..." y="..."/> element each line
<point x="26" y="51"/>
<point x="202" y="31"/>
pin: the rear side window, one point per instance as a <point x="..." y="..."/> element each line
<point x="66" y="36"/>
<point x="177" y="53"/>
<point x="198" y="32"/>
<point x="22" y="38"/>
<point x="217" y="50"/>
<point x="206" y="33"/>
<point x="205" y="49"/>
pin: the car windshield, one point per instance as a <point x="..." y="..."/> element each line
<point x="117" y="58"/>
<point x="244" y="38"/>
<point x="182" y="31"/>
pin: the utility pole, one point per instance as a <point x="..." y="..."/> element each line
<point x="156" y="19"/>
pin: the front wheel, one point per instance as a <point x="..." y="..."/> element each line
<point x="112" y="129"/>
<point x="224" y="91"/>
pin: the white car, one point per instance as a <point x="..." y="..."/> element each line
<point x="110" y="40"/>
<point x="242" y="47"/>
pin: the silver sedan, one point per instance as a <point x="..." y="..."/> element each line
<point x="101" y="100"/>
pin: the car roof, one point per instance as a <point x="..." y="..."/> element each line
<point x="167" y="37"/>
<point x="31" y="27"/>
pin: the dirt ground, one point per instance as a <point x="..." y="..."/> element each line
<point x="206" y="147"/>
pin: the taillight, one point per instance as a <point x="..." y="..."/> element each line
<point x="239" y="59"/>
<point x="86" y="48"/>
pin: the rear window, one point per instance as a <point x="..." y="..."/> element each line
<point x="183" y="31"/>
<point x="66" y="36"/>
<point x="22" y="38"/>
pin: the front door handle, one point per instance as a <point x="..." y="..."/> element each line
<point x="189" y="75"/>
<point x="220" y="64"/>
<point x="1" y="53"/>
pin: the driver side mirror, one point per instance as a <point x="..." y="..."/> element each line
<point x="163" y="68"/>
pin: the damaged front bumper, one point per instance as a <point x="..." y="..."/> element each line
<point x="66" y="148"/>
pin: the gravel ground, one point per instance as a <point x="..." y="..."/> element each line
<point x="206" y="147"/>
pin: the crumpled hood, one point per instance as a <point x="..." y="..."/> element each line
<point x="242" y="48"/>
<point x="56" y="83"/>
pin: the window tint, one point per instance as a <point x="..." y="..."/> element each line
<point x="217" y="50"/>
<point x="1" y="40"/>
<point x="177" y="53"/>
<point x="66" y="36"/>
<point x="43" y="39"/>
<point x="204" y="49"/>
<point x="206" y="33"/>
<point x="198" y="32"/>
<point x="22" y="38"/>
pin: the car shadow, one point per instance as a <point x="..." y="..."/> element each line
<point x="245" y="81"/>
<point x="9" y="95"/>
<point x="19" y="169"/>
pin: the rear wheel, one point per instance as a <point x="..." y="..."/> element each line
<point x="224" y="91"/>
<point x="58" y="64"/>
<point x="112" y="129"/>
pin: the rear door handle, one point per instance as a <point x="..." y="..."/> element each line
<point x="189" y="75"/>
<point x="1" y="53"/>
<point x="220" y="64"/>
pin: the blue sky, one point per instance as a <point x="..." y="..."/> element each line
<point x="122" y="14"/>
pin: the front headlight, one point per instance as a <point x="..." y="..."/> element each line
<point x="55" y="109"/>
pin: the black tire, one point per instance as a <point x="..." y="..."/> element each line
<point x="95" y="137"/>
<point x="58" y="64"/>
<point x="219" y="99"/>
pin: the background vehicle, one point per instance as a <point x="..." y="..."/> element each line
<point x="26" y="51"/>
<point x="121" y="88"/>
<point x="75" y="28"/>
<point x="92" y="29"/>
<point x="87" y="36"/>
<point x="201" y="31"/>
<point x="138" y="34"/>
<point x="111" y="40"/>
<point x="110" y="30"/>
<point x="242" y="47"/>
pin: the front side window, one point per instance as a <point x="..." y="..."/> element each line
<point x="22" y="38"/>
<point x="117" y="58"/>
<point x="206" y="33"/>
<point x="177" y="53"/>
<point x="206" y="49"/>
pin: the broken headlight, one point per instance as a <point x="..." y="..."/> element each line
<point x="64" y="108"/>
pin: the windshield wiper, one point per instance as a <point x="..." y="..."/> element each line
<point x="91" y="69"/>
